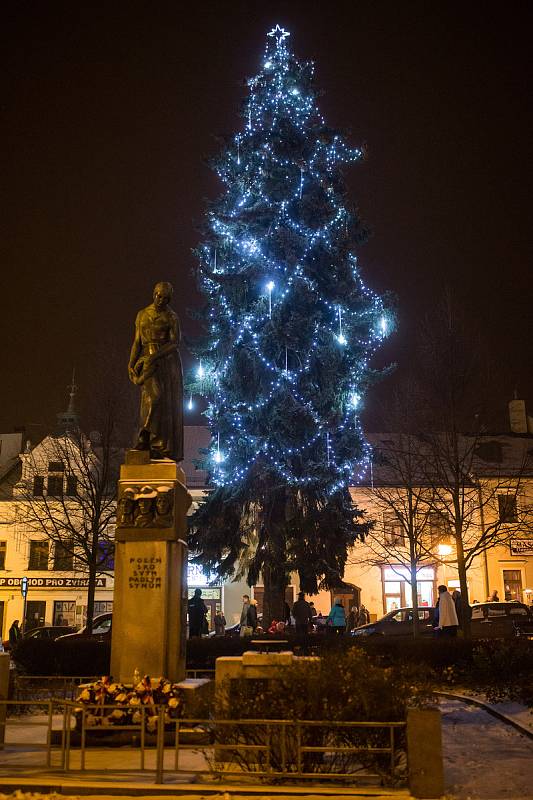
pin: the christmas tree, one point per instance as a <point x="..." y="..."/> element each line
<point x="290" y="330"/>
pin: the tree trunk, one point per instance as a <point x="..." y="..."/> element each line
<point x="414" y="600"/>
<point x="465" y="602"/>
<point x="275" y="583"/>
<point x="91" y="588"/>
<point x="274" y="571"/>
<point x="90" y="596"/>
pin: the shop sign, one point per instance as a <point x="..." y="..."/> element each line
<point x="52" y="583"/>
<point x="521" y="547"/>
<point x="208" y="593"/>
<point x="196" y="576"/>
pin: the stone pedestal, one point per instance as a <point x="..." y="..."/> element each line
<point x="150" y="598"/>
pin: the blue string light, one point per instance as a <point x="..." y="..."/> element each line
<point x="240" y="267"/>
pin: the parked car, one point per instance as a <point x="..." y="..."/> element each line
<point x="489" y="621"/>
<point x="501" y="620"/>
<point x="49" y="631"/>
<point x="399" y="623"/>
<point x="101" y="631"/>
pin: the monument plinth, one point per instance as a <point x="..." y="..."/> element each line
<point x="150" y="597"/>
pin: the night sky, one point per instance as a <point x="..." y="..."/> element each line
<point x="110" y="110"/>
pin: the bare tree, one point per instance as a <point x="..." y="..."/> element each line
<point x="67" y="492"/>
<point x="464" y="471"/>
<point x="401" y="537"/>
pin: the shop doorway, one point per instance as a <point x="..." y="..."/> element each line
<point x="35" y="614"/>
<point x="212" y="597"/>
<point x="259" y="593"/>
<point x="349" y="596"/>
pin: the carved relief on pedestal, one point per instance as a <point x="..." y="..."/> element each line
<point x="146" y="507"/>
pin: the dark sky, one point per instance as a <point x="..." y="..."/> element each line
<point x="110" y="109"/>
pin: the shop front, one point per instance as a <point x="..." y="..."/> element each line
<point x="211" y="595"/>
<point x="397" y="588"/>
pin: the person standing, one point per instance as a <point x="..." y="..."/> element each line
<point x="493" y="597"/>
<point x="364" y="616"/>
<point x="14" y="633"/>
<point x="248" y="616"/>
<point x="336" y="619"/>
<point x="447" y="615"/>
<point x="353" y="618"/>
<point x="197" y="614"/>
<point x="220" y="623"/>
<point x="301" y="611"/>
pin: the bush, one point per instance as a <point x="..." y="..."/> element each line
<point x="340" y="687"/>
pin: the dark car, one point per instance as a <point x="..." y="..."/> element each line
<point x="501" y="620"/>
<point x="49" y="631"/>
<point x="399" y="623"/>
<point x="101" y="631"/>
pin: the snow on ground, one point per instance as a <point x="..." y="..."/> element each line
<point x="483" y="757"/>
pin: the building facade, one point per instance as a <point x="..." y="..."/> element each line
<point x="58" y="583"/>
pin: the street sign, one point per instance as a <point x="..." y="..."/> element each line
<point x="24" y="586"/>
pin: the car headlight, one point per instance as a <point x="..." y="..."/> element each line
<point x="363" y="631"/>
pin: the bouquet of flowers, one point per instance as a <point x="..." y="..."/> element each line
<point x="115" y="704"/>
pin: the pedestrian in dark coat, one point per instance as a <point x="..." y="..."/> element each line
<point x="301" y="611"/>
<point x="220" y="624"/>
<point x="14" y="633"/>
<point x="197" y="614"/>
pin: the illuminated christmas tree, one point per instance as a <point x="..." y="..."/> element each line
<point x="290" y="330"/>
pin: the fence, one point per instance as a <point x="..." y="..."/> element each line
<point x="66" y="687"/>
<point x="267" y="749"/>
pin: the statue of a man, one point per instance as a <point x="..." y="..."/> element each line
<point x="155" y="365"/>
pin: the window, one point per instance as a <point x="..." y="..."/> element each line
<point x="496" y="611"/>
<point x="56" y="466"/>
<point x="439" y="527"/>
<point x="512" y="584"/>
<point x="55" y="485"/>
<point x="64" y="612"/>
<point x="38" y="554"/>
<point x="517" y="611"/>
<point x="3" y="548"/>
<point x="72" y="486"/>
<point x="507" y="508"/>
<point x="103" y="627"/>
<point x="106" y="555"/>
<point x="393" y="532"/>
<point x="102" y="607"/>
<point x="63" y="557"/>
<point x="38" y="486"/>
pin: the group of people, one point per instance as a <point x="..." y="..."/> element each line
<point x="303" y="614"/>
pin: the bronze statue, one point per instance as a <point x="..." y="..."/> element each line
<point x="155" y="365"/>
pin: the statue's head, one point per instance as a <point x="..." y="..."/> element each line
<point x="163" y="501"/>
<point x="163" y="292"/>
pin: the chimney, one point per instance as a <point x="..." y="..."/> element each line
<point x="517" y="416"/>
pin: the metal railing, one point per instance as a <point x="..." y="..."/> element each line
<point x="264" y="748"/>
<point x="41" y="687"/>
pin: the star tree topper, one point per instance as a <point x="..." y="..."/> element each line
<point x="280" y="34"/>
